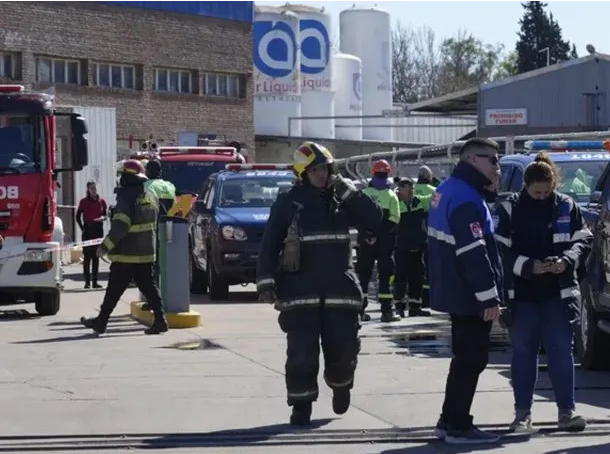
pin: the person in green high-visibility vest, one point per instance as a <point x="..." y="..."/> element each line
<point x="380" y="247"/>
<point x="411" y="241"/>
<point x="424" y="189"/>
<point x="165" y="193"/>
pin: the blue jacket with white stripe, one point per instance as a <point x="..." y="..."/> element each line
<point x="465" y="269"/>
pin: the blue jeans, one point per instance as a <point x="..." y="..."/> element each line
<point x="548" y="323"/>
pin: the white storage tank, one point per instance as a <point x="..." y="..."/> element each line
<point x="348" y="96"/>
<point x="277" y="86"/>
<point x="366" y="33"/>
<point x="317" y="94"/>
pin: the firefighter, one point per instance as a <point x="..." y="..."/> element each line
<point x="411" y="241"/>
<point x="130" y="246"/>
<point x="381" y="247"/>
<point x="304" y="269"/>
<point x="425" y="187"/>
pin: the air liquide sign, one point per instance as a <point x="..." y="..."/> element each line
<point x="357" y="91"/>
<point x="315" y="56"/>
<point x="275" y="56"/>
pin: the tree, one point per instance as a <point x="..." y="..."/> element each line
<point x="507" y="67"/>
<point x="540" y="34"/>
<point x="467" y="62"/>
<point x="423" y="68"/>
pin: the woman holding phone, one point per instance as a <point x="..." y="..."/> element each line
<point x="543" y="240"/>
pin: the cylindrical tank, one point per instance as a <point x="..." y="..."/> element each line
<point x="366" y="33"/>
<point x="277" y="85"/>
<point x="348" y="96"/>
<point x="317" y="94"/>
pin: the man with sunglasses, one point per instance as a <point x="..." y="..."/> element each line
<point x="466" y="280"/>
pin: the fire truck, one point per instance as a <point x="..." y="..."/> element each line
<point x="30" y="266"/>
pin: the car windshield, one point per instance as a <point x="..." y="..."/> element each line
<point x="189" y="177"/>
<point x="579" y="178"/>
<point x="253" y="192"/>
<point x="18" y="151"/>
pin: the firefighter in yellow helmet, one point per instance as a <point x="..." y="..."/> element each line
<point x="380" y="247"/>
<point x="304" y="269"/>
<point x="130" y="246"/>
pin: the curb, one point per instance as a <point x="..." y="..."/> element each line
<point x="178" y="320"/>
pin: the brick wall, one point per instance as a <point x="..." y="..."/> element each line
<point x="144" y="38"/>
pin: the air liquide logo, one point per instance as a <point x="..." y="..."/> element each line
<point x="275" y="55"/>
<point x="315" y="54"/>
<point x="357" y="90"/>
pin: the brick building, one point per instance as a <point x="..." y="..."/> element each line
<point x="165" y="66"/>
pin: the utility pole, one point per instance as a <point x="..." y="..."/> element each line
<point x="548" y="55"/>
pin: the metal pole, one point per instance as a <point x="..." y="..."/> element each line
<point x="548" y="55"/>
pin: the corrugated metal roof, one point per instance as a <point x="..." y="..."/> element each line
<point x="433" y="129"/>
<point x="237" y="11"/>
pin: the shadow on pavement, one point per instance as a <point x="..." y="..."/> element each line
<point x="79" y="277"/>
<point x="77" y="323"/>
<point x="234" y="298"/>
<point x="87" y="336"/>
<point x="592" y="449"/>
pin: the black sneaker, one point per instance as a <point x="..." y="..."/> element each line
<point x="341" y="400"/>
<point x="96" y="285"/>
<point x="419" y="312"/>
<point x="388" y="317"/>
<point x="440" y="431"/>
<point x="365" y="317"/>
<point x="157" y="328"/>
<point x="301" y="414"/>
<point x="146" y="307"/>
<point x="94" y="323"/>
<point x="87" y="286"/>
<point x="471" y="436"/>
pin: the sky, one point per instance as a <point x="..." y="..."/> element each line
<point x="491" y="21"/>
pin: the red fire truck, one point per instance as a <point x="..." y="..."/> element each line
<point x="30" y="266"/>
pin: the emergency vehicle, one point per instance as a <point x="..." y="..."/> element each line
<point x="227" y="222"/>
<point x="30" y="266"/>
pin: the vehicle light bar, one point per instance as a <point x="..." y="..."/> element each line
<point x="238" y="167"/>
<point x="11" y="88"/>
<point x="224" y="151"/>
<point x="565" y="145"/>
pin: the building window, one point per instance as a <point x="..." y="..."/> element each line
<point x="222" y="85"/>
<point x="57" y="70"/>
<point x="173" y="80"/>
<point x="7" y="65"/>
<point x="115" y="76"/>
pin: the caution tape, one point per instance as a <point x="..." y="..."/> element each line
<point x="65" y="247"/>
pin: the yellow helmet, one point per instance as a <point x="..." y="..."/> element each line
<point x="308" y="155"/>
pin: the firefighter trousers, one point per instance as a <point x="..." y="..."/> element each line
<point x="381" y="251"/>
<point x="337" y="330"/>
<point x="409" y="275"/>
<point x="121" y="275"/>
<point x="426" y="281"/>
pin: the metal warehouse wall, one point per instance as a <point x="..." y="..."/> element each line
<point x="237" y="11"/>
<point x="571" y="96"/>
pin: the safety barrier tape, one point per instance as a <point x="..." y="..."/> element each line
<point x="65" y="247"/>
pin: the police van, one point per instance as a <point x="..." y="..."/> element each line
<point x="227" y="222"/>
<point x="583" y="168"/>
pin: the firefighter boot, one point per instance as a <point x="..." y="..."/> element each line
<point x="341" y="400"/>
<point x="301" y="414"/>
<point x="387" y="313"/>
<point x="159" y="326"/>
<point x="415" y="309"/>
<point x="97" y="324"/>
<point x="400" y="308"/>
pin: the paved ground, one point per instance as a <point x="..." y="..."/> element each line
<point x="221" y="387"/>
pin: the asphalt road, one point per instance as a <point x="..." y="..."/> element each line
<point x="220" y="387"/>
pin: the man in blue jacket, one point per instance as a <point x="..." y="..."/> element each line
<point x="465" y="280"/>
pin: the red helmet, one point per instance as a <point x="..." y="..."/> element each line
<point x="382" y="166"/>
<point x="133" y="167"/>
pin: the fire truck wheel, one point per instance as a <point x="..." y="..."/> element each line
<point x="47" y="303"/>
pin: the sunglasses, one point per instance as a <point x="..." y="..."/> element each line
<point x="492" y="159"/>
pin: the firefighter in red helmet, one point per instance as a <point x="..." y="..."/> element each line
<point x="130" y="246"/>
<point x="381" y="246"/>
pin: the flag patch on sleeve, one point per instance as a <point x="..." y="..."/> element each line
<point x="476" y="230"/>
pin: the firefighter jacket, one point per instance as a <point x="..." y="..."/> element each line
<point x="411" y="232"/>
<point x="325" y="269"/>
<point x="164" y="191"/>
<point x="569" y="239"/>
<point x="465" y="270"/>
<point x="132" y="235"/>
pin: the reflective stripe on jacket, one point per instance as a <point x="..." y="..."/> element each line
<point x="132" y="235"/>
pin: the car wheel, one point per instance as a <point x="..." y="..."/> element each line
<point x="198" y="279"/>
<point x="592" y="344"/>
<point x="218" y="287"/>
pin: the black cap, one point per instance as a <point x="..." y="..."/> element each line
<point x="405" y="182"/>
